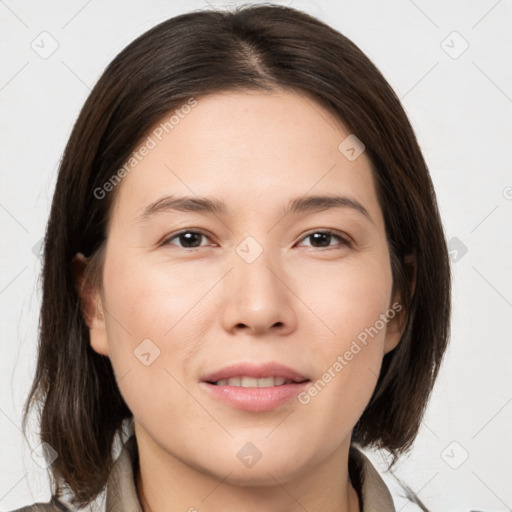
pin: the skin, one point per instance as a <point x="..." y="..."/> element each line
<point x="299" y="303"/>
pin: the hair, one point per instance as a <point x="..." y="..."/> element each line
<point x="267" y="48"/>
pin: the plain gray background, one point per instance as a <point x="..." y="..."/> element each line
<point x="460" y="103"/>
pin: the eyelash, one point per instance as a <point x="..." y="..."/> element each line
<point x="345" y="241"/>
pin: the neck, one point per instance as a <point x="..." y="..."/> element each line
<point x="167" y="483"/>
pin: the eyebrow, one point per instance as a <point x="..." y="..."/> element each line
<point x="304" y="204"/>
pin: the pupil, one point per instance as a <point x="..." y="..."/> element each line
<point x="189" y="237"/>
<point x="322" y="237"/>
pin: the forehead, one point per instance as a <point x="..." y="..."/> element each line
<point x="251" y="150"/>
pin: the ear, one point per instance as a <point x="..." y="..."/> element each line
<point x="397" y="314"/>
<point x="91" y="305"/>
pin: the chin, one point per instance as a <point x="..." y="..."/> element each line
<point x="262" y="473"/>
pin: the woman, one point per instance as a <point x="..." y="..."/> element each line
<point x="245" y="279"/>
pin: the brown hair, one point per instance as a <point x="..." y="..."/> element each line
<point x="264" y="47"/>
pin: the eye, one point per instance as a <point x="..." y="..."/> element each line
<point x="189" y="239"/>
<point x="322" y="239"/>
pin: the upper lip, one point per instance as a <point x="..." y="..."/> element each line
<point x="257" y="371"/>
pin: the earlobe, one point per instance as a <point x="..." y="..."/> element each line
<point x="91" y="305"/>
<point x="396" y="325"/>
<point x="394" y="331"/>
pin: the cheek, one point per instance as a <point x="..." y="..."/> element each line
<point x="155" y="318"/>
<point x="352" y="309"/>
<point x="149" y="301"/>
<point x="142" y="308"/>
<point x="345" y="297"/>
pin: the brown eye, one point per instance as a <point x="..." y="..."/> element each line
<point x="323" y="239"/>
<point x="187" y="239"/>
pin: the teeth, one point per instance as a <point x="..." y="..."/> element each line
<point x="251" y="382"/>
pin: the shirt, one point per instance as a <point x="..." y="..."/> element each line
<point x="121" y="492"/>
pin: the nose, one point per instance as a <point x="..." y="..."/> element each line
<point x="258" y="298"/>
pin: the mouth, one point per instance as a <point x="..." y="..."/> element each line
<point x="255" y="375"/>
<point x="252" y="382"/>
<point x="255" y="388"/>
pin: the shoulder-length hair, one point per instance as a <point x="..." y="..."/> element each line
<point x="268" y="48"/>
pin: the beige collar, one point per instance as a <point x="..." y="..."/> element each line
<point x="122" y="494"/>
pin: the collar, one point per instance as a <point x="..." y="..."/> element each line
<point x="122" y="494"/>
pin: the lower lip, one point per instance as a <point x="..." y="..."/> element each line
<point x="255" y="399"/>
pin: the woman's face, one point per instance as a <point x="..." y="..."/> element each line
<point x="252" y="282"/>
